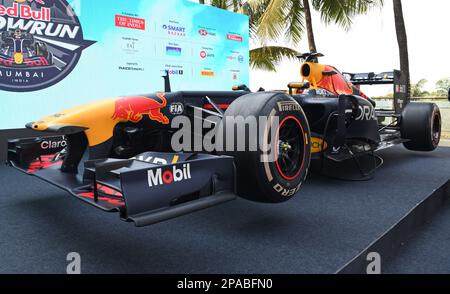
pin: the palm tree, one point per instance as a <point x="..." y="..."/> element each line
<point x="402" y="39"/>
<point x="234" y="5"/>
<point x="309" y="27"/>
<point x="293" y="16"/>
<point x="263" y="57"/>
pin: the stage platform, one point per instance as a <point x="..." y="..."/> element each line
<point x="327" y="228"/>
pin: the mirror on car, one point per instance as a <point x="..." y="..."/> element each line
<point x="295" y="87"/>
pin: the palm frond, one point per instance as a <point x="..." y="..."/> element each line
<point x="271" y="24"/>
<point x="341" y="12"/>
<point x="268" y="57"/>
<point x="295" y="22"/>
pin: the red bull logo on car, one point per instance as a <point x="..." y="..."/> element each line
<point x="134" y="109"/>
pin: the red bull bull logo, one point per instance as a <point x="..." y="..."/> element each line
<point x="135" y="108"/>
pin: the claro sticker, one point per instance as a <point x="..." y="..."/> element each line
<point x="41" y="43"/>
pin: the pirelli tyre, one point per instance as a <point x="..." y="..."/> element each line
<point x="276" y="170"/>
<point x="42" y="50"/>
<point x="421" y="125"/>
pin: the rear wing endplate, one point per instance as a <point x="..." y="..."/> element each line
<point x="401" y="84"/>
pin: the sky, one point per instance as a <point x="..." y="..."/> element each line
<point x="371" y="46"/>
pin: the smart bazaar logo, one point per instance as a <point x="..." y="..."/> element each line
<point x="41" y="42"/>
<point x="174" y="30"/>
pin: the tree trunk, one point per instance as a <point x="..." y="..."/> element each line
<point x="201" y="1"/>
<point x="402" y="40"/>
<point x="309" y="27"/>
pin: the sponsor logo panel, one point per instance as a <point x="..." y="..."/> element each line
<point x="235" y="56"/>
<point x="169" y="175"/>
<point x="173" y="51"/>
<point x="207" y="53"/>
<point x="131" y="66"/>
<point x="173" y="28"/>
<point x="131" y="45"/>
<point x="174" y="70"/>
<point x="235" y="37"/>
<point x="130" y="22"/>
<point x="207" y="72"/>
<point x="206" y="34"/>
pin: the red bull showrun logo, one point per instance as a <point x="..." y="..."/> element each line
<point x="41" y="42"/>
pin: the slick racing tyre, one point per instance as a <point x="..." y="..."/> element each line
<point x="42" y="50"/>
<point x="421" y="125"/>
<point x="275" y="171"/>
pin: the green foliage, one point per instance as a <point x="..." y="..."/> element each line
<point x="267" y="57"/>
<point x="234" y="5"/>
<point x="341" y="12"/>
<point x="287" y="16"/>
<point x="442" y="87"/>
<point x="417" y="89"/>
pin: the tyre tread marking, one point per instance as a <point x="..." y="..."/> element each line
<point x="266" y="136"/>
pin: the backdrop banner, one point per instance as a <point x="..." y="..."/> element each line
<point x="56" y="54"/>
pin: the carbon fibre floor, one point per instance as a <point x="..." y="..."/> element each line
<point x="319" y="231"/>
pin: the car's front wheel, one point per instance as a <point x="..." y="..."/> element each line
<point x="276" y="170"/>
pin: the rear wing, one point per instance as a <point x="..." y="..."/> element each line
<point x="384" y="78"/>
<point x="401" y="84"/>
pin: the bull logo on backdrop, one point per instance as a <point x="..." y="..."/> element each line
<point x="41" y="42"/>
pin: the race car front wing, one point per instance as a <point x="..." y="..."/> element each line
<point x="147" y="189"/>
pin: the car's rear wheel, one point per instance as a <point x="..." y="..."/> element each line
<point x="276" y="170"/>
<point x="42" y="50"/>
<point x="421" y="125"/>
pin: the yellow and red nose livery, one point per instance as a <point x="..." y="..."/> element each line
<point x="99" y="118"/>
<point x="326" y="77"/>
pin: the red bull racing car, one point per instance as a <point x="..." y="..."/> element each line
<point x="20" y="49"/>
<point x="117" y="154"/>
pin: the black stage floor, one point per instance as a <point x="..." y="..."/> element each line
<point x="427" y="251"/>
<point x="319" y="231"/>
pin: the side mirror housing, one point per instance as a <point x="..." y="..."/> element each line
<point x="241" y="88"/>
<point x="297" y="86"/>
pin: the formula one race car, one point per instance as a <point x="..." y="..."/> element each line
<point x="20" y="49"/>
<point x="118" y="154"/>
